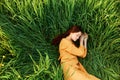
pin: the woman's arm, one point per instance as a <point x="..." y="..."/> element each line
<point x="82" y="40"/>
<point x="70" y="48"/>
<point x="85" y="40"/>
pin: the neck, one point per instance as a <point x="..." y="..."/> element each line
<point x="68" y="38"/>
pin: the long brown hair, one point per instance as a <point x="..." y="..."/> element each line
<point x="72" y="29"/>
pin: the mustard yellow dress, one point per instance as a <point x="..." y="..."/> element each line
<point x="72" y="68"/>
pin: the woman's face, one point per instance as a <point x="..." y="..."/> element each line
<point x="75" y="36"/>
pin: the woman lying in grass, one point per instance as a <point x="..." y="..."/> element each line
<point x="72" y="68"/>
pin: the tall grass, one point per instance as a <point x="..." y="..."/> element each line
<point x="37" y="70"/>
<point x="30" y="26"/>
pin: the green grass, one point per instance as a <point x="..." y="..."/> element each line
<point x="27" y="28"/>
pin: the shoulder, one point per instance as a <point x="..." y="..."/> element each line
<point x="64" y="40"/>
<point x="65" y="43"/>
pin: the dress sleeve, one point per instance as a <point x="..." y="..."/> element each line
<point x="72" y="49"/>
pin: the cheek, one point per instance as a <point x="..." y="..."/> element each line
<point x="73" y="38"/>
<point x="77" y="37"/>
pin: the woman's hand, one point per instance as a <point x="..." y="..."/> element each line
<point x="83" y="40"/>
<point x="85" y="36"/>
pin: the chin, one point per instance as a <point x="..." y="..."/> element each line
<point x="75" y="40"/>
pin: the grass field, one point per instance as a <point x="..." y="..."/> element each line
<point x="27" y="28"/>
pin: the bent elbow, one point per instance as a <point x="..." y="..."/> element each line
<point x="85" y="53"/>
<point x="84" y="56"/>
